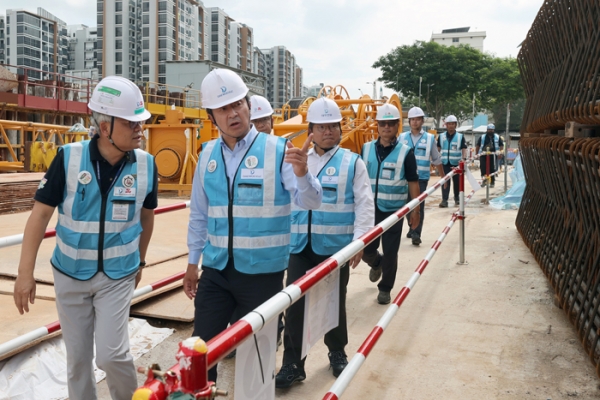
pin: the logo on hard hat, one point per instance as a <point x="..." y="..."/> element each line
<point x="223" y="89"/>
<point x="325" y="111"/>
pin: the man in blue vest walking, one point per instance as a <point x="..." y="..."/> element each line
<point x="106" y="191"/>
<point x="241" y="202"/>
<point x="493" y="144"/>
<point x="426" y="153"/>
<point x="453" y="148"/>
<point x="346" y="214"/>
<point x="393" y="172"/>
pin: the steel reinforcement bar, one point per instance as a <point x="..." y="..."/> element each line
<point x="560" y="66"/>
<point x="559" y="220"/>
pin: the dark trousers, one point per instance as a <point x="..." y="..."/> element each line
<point x="221" y="293"/>
<point x="337" y="338"/>
<point x="483" y="166"/>
<point x="388" y="261"/>
<point x="422" y="188"/>
<point x="455" y="183"/>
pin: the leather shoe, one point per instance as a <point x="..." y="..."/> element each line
<point x="416" y="240"/>
<point x="457" y="203"/>
<point x="375" y="274"/>
<point x="288" y="374"/>
<point x="444" y="204"/>
<point x="384" y="297"/>
<point x="337" y="361"/>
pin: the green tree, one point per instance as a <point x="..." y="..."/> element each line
<point x="446" y="73"/>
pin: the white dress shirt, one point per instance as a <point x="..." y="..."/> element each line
<point x="305" y="193"/>
<point x="364" y="208"/>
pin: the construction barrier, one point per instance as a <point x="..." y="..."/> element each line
<point x="343" y="381"/>
<point x="559" y="220"/>
<point x="18" y="239"/>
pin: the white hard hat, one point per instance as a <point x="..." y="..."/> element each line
<point x="323" y="111"/>
<point x="451" y="118"/>
<point x="259" y="107"/>
<point x="491" y="126"/>
<point x="119" y="97"/>
<point x="221" y="87"/>
<point x="415" y="112"/>
<point x="387" y="112"/>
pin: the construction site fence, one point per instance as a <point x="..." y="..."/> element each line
<point x="559" y="62"/>
<point x="559" y="220"/>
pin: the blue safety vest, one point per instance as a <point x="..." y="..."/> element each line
<point x="388" y="181"/>
<point x="79" y="224"/>
<point x="496" y="142"/>
<point x="422" y="151"/>
<point x="251" y="221"/>
<point x="451" y="151"/>
<point x="332" y="225"/>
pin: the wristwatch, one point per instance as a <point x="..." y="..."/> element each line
<point x="142" y="264"/>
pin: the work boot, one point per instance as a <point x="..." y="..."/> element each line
<point x="416" y="239"/>
<point x="288" y="374"/>
<point x="337" y="361"/>
<point x="384" y="297"/>
<point x="375" y="272"/>
<point x="444" y="204"/>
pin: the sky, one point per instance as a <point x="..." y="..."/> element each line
<point x="336" y="42"/>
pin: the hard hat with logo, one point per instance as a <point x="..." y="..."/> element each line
<point x="119" y="97"/>
<point x="415" y="112"/>
<point x="451" y="118"/>
<point x="491" y="126"/>
<point x="221" y="87"/>
<point x="387" y="112"/>
<point x="259" y="107"/>
<point x="323" y="111"/>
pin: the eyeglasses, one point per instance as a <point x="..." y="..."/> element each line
<point x="387" y="123"/>
<point x="262" y="121"/>
<point x="325" y="128"/>
<point x="134" y="124"/>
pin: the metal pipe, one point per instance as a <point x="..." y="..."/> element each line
<point x="461" y="180"/>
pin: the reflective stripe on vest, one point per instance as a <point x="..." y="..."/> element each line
<point x="260" y="208"/>
<point x="496" y="143"/>
<point x="451" y="151"/>
<point x="422" y="151"/>
<point x="332" y="225"/>
<point x="388" y="180"/>
<point x="78" y="227"/>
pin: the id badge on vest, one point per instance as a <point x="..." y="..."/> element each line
<point x="120" y="211"/>
<point x="256" y="173"/>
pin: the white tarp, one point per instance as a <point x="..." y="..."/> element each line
<point x="41" y="372"/>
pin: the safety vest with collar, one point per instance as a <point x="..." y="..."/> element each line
<point x="388" y="181"/>
<point x="483" y="140"/>
<point x="87" y="224"/>
<point x="250" y="219"/>
<point x="451" y="151"/>
<point x="422" y="151"/>
<point x="332" y="225"/>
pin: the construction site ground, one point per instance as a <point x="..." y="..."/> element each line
<point x="485" y="330"/>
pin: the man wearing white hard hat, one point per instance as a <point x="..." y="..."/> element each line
<point x="426" y="153"/>
<point x="106" y="191"/>
<point x="261" y="114"/>
<point x="453" y="148"/>
<point x="392" y="168"/>
<point x="242" y="194"/>
<point x="345" y="214"/>
<point x="492" y="145"/>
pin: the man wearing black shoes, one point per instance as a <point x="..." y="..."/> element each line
<point x="453" y="148"/>
<point x="392" y="168"/>
<point x="346" y="213"/>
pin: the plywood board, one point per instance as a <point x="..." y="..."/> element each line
<point x="21" y="177"/>
<point x="42" y="291"/>
<point x="173" y="305"/>
<point x="169" y="240"/>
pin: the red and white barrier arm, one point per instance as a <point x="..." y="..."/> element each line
<point x="14" y="344"/>
<point x="18" y="239"/>
<point x="230" y="338"/>
<point x="343" y="381"/>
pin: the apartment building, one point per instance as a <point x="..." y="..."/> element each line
<point x="281" y="75"/>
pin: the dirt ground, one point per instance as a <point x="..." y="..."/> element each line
<point x="485" y="330"/>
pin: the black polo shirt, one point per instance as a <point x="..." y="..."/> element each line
<point x="410" y="162"/>
<point x="52" y="188"/>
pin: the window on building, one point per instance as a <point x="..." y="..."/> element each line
<point x="118" y="69"/>
<point x="162" y="5"/>
<point x="162" y="43"/>
<point x="162" y="68"/>
<point x="162" y="56"/>
<point x="146" y="19"/>
<point x="145" y="44"/>
<point x="118" y="44"/>
<point x="146" y="6"/>
<point x="145" y="69"/>
<point x="118" y="19"/>
<point x="145" y="56"/>
<point x="100" y="6"/>
<point x="146" y="31"/>
<point x="162" y="31"/>
<point x="118" y="31"/>
<point x="162" y="18"/>
<point x="455" y="40"/>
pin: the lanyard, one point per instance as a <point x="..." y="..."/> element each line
<point x="411" y="140"/>
<point x="114" y="180"/>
